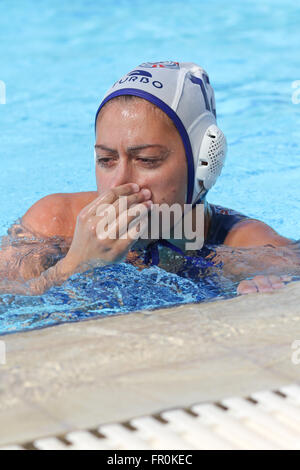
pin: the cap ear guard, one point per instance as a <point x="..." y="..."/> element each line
<point x="211" y="157"/>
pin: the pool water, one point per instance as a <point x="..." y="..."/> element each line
<point x="57" y="59"/>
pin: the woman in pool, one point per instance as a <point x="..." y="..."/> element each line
<point x="157" y="142"/>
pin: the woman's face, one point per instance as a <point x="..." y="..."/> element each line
<point x="135" y="143"/>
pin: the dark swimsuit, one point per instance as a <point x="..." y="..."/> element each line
<point x="222" y="221"/>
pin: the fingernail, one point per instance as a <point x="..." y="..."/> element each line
<point x="146" y="192"/>
<point x="135" y="187"/>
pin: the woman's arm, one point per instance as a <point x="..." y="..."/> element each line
<point x="32" y="268"/>
<point x="56" y="275"/>
<point x="30" y="265"/>
<point x="250" y="233"/>
<point x="87" y="249"/>
<point x="32" y="253"/>
<point x="259" y="248"/>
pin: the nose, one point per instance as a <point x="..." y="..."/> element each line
<point x="122" y="173"/>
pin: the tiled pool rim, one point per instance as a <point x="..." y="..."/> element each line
<point x="75" y="376"/>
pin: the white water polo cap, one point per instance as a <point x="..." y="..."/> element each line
<point x="183" y="91"/>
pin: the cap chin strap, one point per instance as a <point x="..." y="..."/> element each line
<point x="201" y="195"/>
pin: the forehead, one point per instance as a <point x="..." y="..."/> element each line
<point x="124" y="111"/>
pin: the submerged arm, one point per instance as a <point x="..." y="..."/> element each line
<point x="253" y="249"/>
<point x="53" y="276"/>
<point x="30" y="266"/>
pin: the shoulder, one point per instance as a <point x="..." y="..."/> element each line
<point x="251" y="233"/>
<point x="55" y="214"/>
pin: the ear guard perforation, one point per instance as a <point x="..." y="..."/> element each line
<point x="211" y="157"/>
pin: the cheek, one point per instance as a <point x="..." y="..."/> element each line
<point x="178" y="178"/>
<point x="175" y="192"/>
<point x="171" y="186"/>
<point x="103" y="181"/>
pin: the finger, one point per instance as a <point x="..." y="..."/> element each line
<point x="124" y="202"/>
<point x="262" y="283"/>
<point x="246" y="287"/>
<point x="112" y="227"/>
<point x="110" y="196"/>
<point x="286" y="278"/>
<point x="143" y="195"/>
<point x="276" y="281"/>
<point x="137" y="228"/>
<point x="137" y="225"/>
<point x="122" y="245"/>
<point x="130" y="217"/>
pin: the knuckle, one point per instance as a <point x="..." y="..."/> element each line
<point x="92" y="228"/>
<point x="81" y="216"/>
<point x="137" y="197"/>
<point x="113" y="192"/>
<point x="88" y="223"/>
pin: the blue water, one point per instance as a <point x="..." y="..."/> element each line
<point x="58" y="58"/>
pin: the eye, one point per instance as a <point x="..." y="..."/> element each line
<point x="104" y="161"/>
<point x="149" y="161"/>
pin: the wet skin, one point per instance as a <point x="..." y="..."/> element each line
<point x="135" y="144"/>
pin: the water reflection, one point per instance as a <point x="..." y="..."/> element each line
<point x="133" y="285"/>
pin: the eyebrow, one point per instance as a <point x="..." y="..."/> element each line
<point x="133" y="148"/>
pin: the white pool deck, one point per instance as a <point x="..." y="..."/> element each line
<point x="84" y="375"/>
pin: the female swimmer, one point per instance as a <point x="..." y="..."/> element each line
<point x="157" y="142"/>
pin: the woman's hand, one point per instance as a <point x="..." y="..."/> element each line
<point x="262" y="284"/>
<point x="86" y="248"/>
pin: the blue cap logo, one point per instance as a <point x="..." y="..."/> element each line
<point x="140" y="72"/>
<point x="140" y="76"/>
